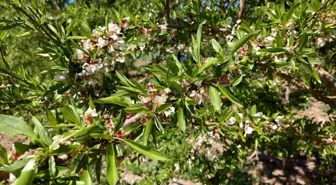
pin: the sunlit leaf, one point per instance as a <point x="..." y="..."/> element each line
<point x="215" y="98"/>
<point x="145" y="150"/>
<point x="11" y="126"/>
<point x="112" y="171"/>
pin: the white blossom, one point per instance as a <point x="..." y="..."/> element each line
<point x="60" y="77"/>
<point x="169" y="112"/>
<point x="232" y="121"/>
<point x="113" y="28"/>
<point x="320" y="42"/>
<point x="278" y="119"/>
<point x="248" y="130"/>
<point x="80" y="54"/>
<point x="87" y="45"/>
<point x="274" y="126"/>
<point x="102" y="42"/>
<point x="144" y="100"/>
<point x="159" y="100"/>
<point x="120" y="59"/>
<point x="63" y="157"/>
<point x="167" y="90"/>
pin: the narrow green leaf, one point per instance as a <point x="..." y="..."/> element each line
<point x="52" y="120"/>
<point x="239" y="43"/>
<point x="199" y="36"/>
<point x="215" y="99"/>
<point x="181" y="119"/>
<point x="118" y="100"/>
<point x="42" y="132"/>
<point x="11" y="126"/>
<point x="216" y="46"/>
<point x="253" y="110"/>
<point x="17" y="165"/>
<point x="164" y="107"/>
<point x="52" y="166"/>
<point x="158" y="125"/>
<point x="98" y="167"/>
<point x="112" y="171"/>
<point x="210" y="62"/>
<point x="316" y="76"/>
<point x="145" y="150"/>
<point x="147" y="131"/>
<point x="229" y="96"/>
<point x="91" y="104"/>
<point x="272" y="50"/>
<point x="303" y="41"/>
<point x="3" y="154"/>
<point x="76" y="37"/>
<point x="237" y="80"/>
<point x="53" y="29"/>
<point x="27" y="174"/>
<point x="291" y="11"/>
<point x="177" y="63"/>
<point x="86" y="174"/>
<point x="70" y="114"/>
<point x="137" y="108"/>
<point x="124" y="80"/>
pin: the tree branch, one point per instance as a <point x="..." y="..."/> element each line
<point x="241" y="9"/>
<point x="167" y="11"/>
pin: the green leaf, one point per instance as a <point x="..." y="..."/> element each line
<point x="118" y="100"/>
<point x="216" y="46"/>
<point x="76" y="37"/>
<point x="112" y="171"/>
<point x="124" y="80"/>
<point x="52" y="166"/>
<point x="52" y="120"/>
<point x="164" y="107"/>
<point x="42" y="132"/>
<point x="17" y="165"/>
<point x="145" y="150"/>
<point x="215" y="99"/>
<point x="91" y="104"/>
<point x="239" y="43"/>
<point x="147" y="131"/>
<point x="86" y="174"/>
<point x="303" y="41"/>
<point x="11" y="126"/>
<point x="181" y="119"/>
<point x="27" y="174"/>
<point x="291" y="11"/>
<point x="70" y="114"/>
<point x="207" y="64"/>
<point x="272" y="50"/>
<point x="3" y="154"/>
<point x="137" y="108"/>
<point x="229" y="96"/>
<point x="199" y="36"/>
<point x="253" y="110"/>
<point x="21" y="148"/>
<point x="98" y="167"/>
<point x="237" y="80"/>
<point x="177" y="63"/>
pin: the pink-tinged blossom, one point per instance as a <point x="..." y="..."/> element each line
<point x="160" y="100"/>
<point x="102" y="42"/>
<point x="89" y="115"/>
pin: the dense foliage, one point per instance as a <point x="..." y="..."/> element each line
<point x="101" y="88"/>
